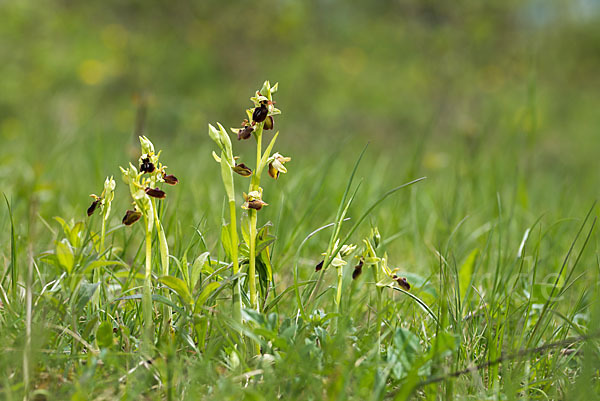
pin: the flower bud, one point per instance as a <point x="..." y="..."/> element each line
<point x="269" y="123"/>
<point x="147" y="146"/>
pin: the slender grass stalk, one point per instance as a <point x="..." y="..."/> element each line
<point x="28" y="322"/>
<point x="14" y="275"/>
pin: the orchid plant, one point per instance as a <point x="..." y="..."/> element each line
<point x="260" y="118"/>
<point x="143" y="187"/>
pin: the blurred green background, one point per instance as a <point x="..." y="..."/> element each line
<point x="491" y="100"/>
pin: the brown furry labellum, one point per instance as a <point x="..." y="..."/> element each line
<point x="155" y="193"/>
<point x="93" y="207"/>
<point x="245" y="132"/>
<point x="402" y="282"/>
<point x="131" y="216"/>
<point x="242" y="170"/>
<point x="256" y="204"/>
<point x="319" y="266"/>
<point x="147" y="166"/>
<point x="170" y="179"/>
<point x="358" y="269"/>
<point x="260" y="113"/>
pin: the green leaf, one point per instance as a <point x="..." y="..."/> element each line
<point x="267" y="154"/>
<point x="405" y="350"/>
<point x="164" y="248"/>
<point x="64" y="225"/>
<point x="127" y="274"/>
<point x="104" y="335"/>
<point x="65" y="257"/>
<point x="179" y="286"/>
<point x="198" y="267"/>
<point x="245" y="226"/>
<point x="227" y="177"/>
<point x="264" y="270"/>
<point x="465" y="273"/>
<point x="104" y="263"/>
<point x="263" y="243"/>
<point x="74" y="237"/>
<point x="226" y="240"/>
<point x="156" y="298"/>
<point x="85" y="293"/>
<point x="205" y="294"/>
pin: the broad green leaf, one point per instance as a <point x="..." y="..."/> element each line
<point x="262" y="244"/>
<point x="64" y="225"/>
<point x="104" y="335"/>
<point x="85" y="293"/>
<point x="126" y="274"/>
<point x="156" y="298"/>
<point x="465" y="273"/>
<point x="65" y="257"/>
<point x="200" y="266"/>
<point x="179" y="286"/>
<point x="405" y="350"/>
<point x="245" y="226"/>
<point x="104" y="263"/>
<point x="264" y="273"/>
<point x="74" y="235"/>
<point x="205" y="294"/>
<point x="226" y="240"/>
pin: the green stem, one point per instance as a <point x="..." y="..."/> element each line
<point x="147" y="297"/>
<point x="164" y="262"/>
<point x="102" y="234"/>
<point x="96" y="273"/>
<point x="237" y="301"/>
<point x="379" y="290"/>
<point x="254" y="185"/>
<point x="338" y="296"/>
<point x="252" y="269"/>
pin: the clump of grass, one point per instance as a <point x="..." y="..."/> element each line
<point x="474" y="318"/>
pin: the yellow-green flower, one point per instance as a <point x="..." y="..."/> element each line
<point x="254" y="200"/>
<point x="277" y="165"/>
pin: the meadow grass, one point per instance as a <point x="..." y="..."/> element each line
<point x="498" y="243"/>
<point x="502" y="301"/>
